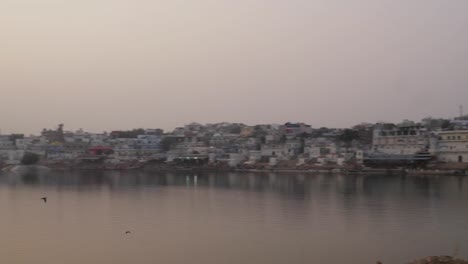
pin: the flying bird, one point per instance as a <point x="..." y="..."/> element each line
<point x="45" y="199"/>
<point x="128" y="232"/>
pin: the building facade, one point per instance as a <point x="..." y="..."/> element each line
<point x="452" y="146"/>
<point x="400" y="140"/>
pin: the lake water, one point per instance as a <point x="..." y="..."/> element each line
<point x="229" y="218"/>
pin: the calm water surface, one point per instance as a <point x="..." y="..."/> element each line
<point x="229" y="218"/>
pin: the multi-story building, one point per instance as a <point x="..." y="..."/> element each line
<point x="27" y="142"/>
<point x="294" y="147"/>
<point x="292" y="130"/>
<point x="452" y="146"/>
<point x="143" y="145"/>
<point x="274" y="150"/>
<point x="400" y="140"/>
<point x="6" y="143"/>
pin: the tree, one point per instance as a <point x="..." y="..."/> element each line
<point x="30" y="158"/>
<point x="348" y="136"/>
<point x="206" y="138"/>
<point x="134" y="133"/>
<point x="321" y="131"/>
<point x="235" y="129"/>
<point x="446" y="124"/>
<point x="436" y="123"/>
<point x="167" y="143"/>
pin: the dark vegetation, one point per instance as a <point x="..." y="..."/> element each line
<point x="30" y="159"/>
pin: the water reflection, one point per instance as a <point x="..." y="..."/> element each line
<point x="297" y="185"/>
<point x="236" y="217"/>
<point x="377" y="194"/>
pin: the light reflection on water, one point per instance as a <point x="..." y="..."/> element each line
<point x="229" y="218"/>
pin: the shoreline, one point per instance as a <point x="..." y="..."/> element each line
<point x="363" y="172"/>
<point x="261" y="169"/>
<point x="402" y="172"/>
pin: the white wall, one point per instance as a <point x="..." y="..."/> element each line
<point x="451" y="151"/>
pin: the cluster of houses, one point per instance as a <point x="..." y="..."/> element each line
<point x="290" y="145"/>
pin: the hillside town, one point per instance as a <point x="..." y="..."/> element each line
<point x="431" y="144"/>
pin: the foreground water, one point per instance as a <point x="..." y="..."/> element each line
<point x="229" y="218"/>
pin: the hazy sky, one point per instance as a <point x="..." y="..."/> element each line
<point x="108" y="64"/>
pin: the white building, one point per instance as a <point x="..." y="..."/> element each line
<point x="321" y="148"/>
<point x="254" y="156"/>
<point x="279" y="151"/>
<point x="293" y="147"/>
<point x="6" y="143"/>
<point x="143" y="145"/>
<point x="234" y="159"/>
<point x="93" y="139"/>
<point x="15" y="156"/>
<point x="27" y="143"/>
<point x="396" y="140"/>
<point x="452" y="146"/>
